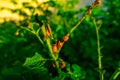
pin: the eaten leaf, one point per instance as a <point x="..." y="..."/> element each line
<point x="36" y="60"/>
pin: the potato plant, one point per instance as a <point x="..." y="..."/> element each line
<point x="42" y="30"/>
<point x="57" y="41"/>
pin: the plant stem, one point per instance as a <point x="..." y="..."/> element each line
<point x="79" y="22"/>
<point x="50" y="48"/>
<point x="48" y="43"/>
<point x="81" y="19"/>
<point x="101" y="75"/>
<point x="40" y="39"/>
<point x="74" y="27"/>
<point x="36" y="33"/>
<point x="115" y="74"/>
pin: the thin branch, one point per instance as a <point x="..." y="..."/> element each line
<point x="101" y="75"/>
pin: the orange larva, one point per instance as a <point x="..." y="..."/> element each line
<point x="65" y="38"/>
<point x="54" y="48"/>
<point x="97" y="2"/>
<point x="62" y="64"/>
<point x="59" y="44"/>
<point x="48" y="32"/>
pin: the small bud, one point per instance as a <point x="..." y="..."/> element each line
<point x="17" y="33"/>
<point x="59" y="44"/>
<point x="62" y="64"/>
<point x="65" y="38"/>
<point x="54" y="48"/>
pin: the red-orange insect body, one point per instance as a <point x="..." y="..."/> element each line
<point x="97" y="2"/>
<point x="59" y="44"/>
<point x="62" y="64"/>
<point x="65" y="38"/>
<point x="48" y="34"/>
<point x="54" y="48"/>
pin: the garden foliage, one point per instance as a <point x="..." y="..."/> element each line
<point x="23" y="56"/>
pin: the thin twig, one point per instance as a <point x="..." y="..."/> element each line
<point x="89" y="9"/>
<point x="101" y="75"/>
<point x="36" y="33"/>
<point x="40" y="39"/>
<point x="79" y="22"/>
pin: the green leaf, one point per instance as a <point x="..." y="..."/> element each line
<point x="78" y="72"/>
<point x="35" y="61"/>
<point x="61" y="76"/>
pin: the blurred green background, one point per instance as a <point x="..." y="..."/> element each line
<point x="81" y="49"/>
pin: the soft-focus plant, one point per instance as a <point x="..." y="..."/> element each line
<point x="42" y="30"/>
<point x="57" y="41"/>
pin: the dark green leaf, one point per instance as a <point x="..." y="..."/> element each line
<point x="78" y="72"/>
